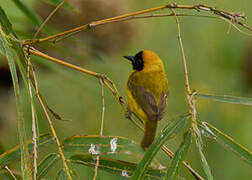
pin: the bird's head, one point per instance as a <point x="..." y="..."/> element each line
<point x="142" y="59"/>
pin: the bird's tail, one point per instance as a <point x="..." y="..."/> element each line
<point x="149" y="133"/>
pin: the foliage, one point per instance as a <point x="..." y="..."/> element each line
<point x="105" y="153"/>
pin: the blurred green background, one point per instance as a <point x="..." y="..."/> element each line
<point x="218" y="62"/>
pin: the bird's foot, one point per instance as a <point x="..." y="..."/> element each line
<point x="128" y="113"/>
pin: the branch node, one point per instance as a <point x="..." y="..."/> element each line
<point x="90" y="25"/>
<point x="197" y="7"/>
<point x="102" y="77"/>
<point x="175" y="5"/>
<point x="121" y="100"/>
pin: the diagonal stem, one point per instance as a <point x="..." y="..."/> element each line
<point x="234" y="17"/>
<point x="187" y="83"/>
<point x="48" y="18"/>
<point x="52" y="128"/>
<point x="101" y="80"/>
<point x="111" y="86"/>
<point x="34" y="130"/>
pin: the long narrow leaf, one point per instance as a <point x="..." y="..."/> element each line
<point x="47" y="164"/>
<point x="25" y="164"/>
<point x="8" y="175"/>
<point x="13" y="154"/>
<point x="229" y="143"/>
<point x="94" y="144"/>
<point x="204" y="162"/>
<point x="116" y="167"/>
<point x="170" y="130"/>
<point x="61" y="175"/>
<point x="5" y="175"/>
<point x="173" y="171"/>
<point x="227" y="99"/>
<point x="21" y="123"/>
<point x="5" y="23"/>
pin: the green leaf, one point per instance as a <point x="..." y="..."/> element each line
<point x="171" y="129"/>
<point x="13" y="154"/>
<point x="47" y="164"/>
<point x="5" y="23"/>
<point x="31" y="14"/>
<point x="229" y="143"/>
<point x="227" y="99"/>
<point x="116" y="167"/>
<point x="6" y="175"/>
<point x="173" y="171"/>
<point x="204" y="162"/>
<point x="66" y="5"/>
<point x="95" y="144"/>
<point x="61" y="175"/>
<point x="25" y="163"/>
<point x="6" y="27"/>
<point x="21" y="61"/>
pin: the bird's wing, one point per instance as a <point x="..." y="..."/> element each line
<point x="148" y="102"/>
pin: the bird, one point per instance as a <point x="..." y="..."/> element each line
<point x="147" y="92"/>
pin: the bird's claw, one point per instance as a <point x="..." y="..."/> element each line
<point x="128" y="114"/>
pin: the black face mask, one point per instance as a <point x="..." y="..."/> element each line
<point x="137" y="61"/>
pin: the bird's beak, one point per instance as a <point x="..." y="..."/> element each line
<point x="131" y="58"/>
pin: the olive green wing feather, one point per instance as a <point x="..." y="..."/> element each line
<point x="148" y="102"/>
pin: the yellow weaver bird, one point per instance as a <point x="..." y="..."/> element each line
<point x="147" y="91"/>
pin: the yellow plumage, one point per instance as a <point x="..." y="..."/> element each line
<point x="147" y="91"/>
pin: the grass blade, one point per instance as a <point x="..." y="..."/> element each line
<point x="47" y="164"/>
<point x="171" y="129"/>
<point x="227" y="99"/>
<point x="13" y="154"/>
<point x="5" y="23"/>
<point x="116" y="167"/>
<point x="25" y="163"/>
<point x="21" y="63"/>
<point x="173" y="171"/>
<point x="61" y="175"/>
<point x="95" y="145"/>
<point x="204" y="162"/>
<point x="7" y="174"/>
<point x="229" y="143"/>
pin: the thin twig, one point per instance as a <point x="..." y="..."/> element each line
<point x="237" y="28"/>
<point x="11" y="173"/>
<point x="58" y="61"/>
<point x="101" y="80"/>
<point x="108" y="83"/>
<point x="52" y="128"/>
<point x="189" y="94"/>
<point x="85" y="26"/>
<point x="132" y="18"/>
<point x="187" y="84"/>
<point x="48" y="18"/>
<point x="171" y="155"/>
<point x="148" y="16"/>
<point x="96" y="167"/>
<point x="34" y="131"/>
<point x="234" y="17"/>
<point x="231" y="17"/>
